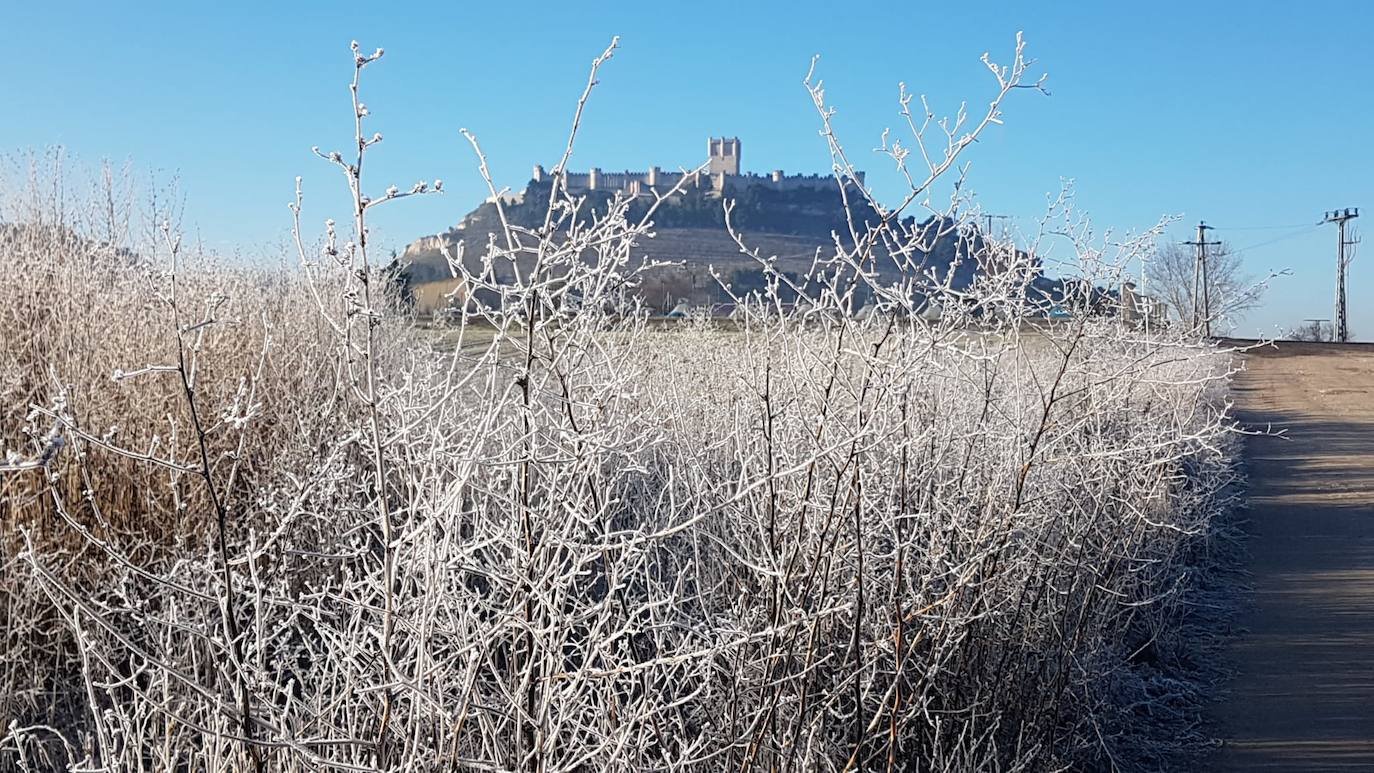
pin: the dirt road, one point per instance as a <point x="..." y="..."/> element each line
<point x="1302" y="697"/>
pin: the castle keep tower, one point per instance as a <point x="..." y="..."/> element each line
<point x="723" y="154"/>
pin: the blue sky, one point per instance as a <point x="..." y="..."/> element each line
<point x="1255" y="117"/>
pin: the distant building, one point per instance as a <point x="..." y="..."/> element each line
<point x="722" y="173"/>
<point x="1137" y="308"/>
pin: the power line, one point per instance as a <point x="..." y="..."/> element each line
<point x="1259" y="227"/>
<point x="1307" y="229"/>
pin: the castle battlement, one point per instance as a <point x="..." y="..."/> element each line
<point x="721" y="175"/>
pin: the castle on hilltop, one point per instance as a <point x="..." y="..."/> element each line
<point x="721" y="173"/>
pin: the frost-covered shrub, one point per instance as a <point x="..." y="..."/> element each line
<point x="562" y="537"/>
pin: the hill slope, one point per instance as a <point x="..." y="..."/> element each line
<point x="792" y="226"/>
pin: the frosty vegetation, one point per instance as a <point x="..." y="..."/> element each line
<point x="259" y="521"/>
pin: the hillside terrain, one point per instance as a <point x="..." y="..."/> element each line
<point x="792" y="227"/>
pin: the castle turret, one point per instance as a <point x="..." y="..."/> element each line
<point x="723" y="155"/>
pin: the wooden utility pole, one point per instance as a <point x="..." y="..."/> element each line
<point x="1340" y="217"/>
<point x="1202" y="299"/>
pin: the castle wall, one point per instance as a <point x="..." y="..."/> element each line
<point x="634" y="183"/>
<point x="722" y="174"/>
<point x="640" y="183"/>
<point x="781" y="182"/>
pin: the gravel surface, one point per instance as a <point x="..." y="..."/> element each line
<point x="1302" y="694"/>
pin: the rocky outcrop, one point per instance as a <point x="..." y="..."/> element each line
<point x="426" y="247"/>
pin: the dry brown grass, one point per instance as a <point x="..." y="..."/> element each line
<point x="84" y="317"/>
<point x="436" y="296"/>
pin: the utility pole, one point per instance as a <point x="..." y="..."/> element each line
<point x="1202" y="299"/>
<point x="989" y="218"/>
<point x="1340" y="217"/>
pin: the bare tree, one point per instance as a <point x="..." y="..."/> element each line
<point x="1171" y="272"/>
<point x="1313" y="330"/>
